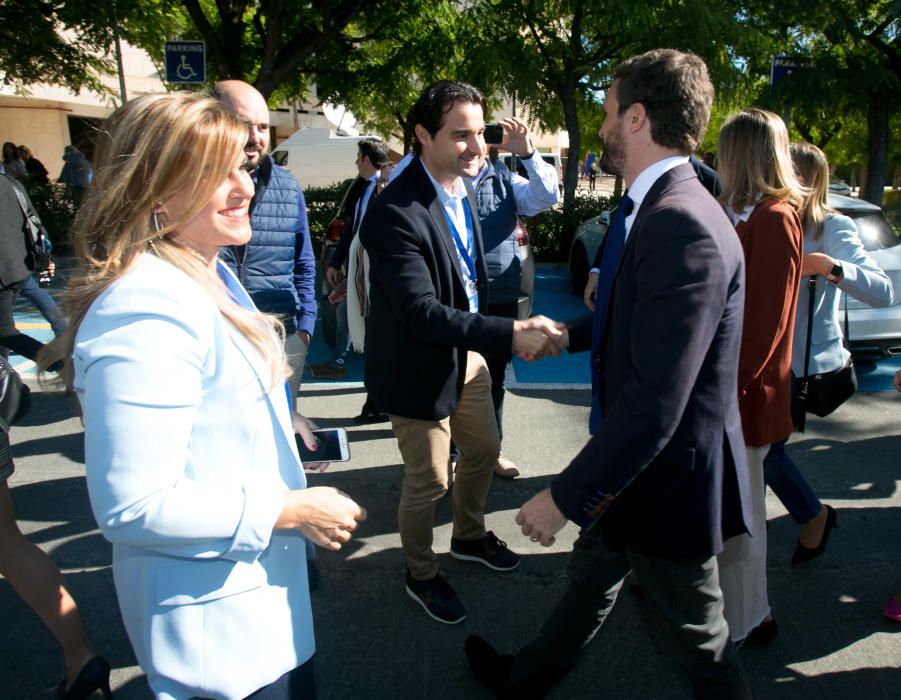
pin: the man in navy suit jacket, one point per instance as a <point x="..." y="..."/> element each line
<point x="663" y="480"/>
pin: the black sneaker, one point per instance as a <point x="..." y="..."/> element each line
<point x="488" y="550"/>
<point x="437" y="598"/>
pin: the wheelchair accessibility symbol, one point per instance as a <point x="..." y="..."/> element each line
<point x="185" y="62"/>
<point x="184" y="70"/>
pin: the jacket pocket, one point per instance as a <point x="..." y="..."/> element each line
<point x="201" y="581"/>
<point x="680" y="456"/>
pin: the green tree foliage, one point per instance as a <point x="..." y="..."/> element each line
<point x="274" y="45"/>
<point x="403" y="52"/>
<point x="853" y="75"/>
<point x="556" y="56"/>
<point x="50" y="41"/>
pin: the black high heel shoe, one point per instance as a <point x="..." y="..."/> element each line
<point x="93" y="676"/>
<point x="804" y="554"/>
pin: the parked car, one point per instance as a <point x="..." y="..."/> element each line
<point x="872" y="333"/>
<point x="584" y="248"/>
<point x="552" y="158"/>
<point x="527" y="261"/>
<point x="839" y="186"/>
<point x="342" y="218"/>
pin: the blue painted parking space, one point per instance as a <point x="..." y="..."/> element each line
<point x="553" y="298"/>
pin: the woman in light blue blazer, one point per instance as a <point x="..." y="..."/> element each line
<point x="833" y="252"/>
<point x="192" y="466"/>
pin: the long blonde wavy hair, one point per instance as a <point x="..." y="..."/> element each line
<point x="754" y="160"/>
<point x="150" y="149"/>
<point x="813" y="169"/>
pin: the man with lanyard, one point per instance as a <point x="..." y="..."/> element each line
<point x="425" y="340"/>
<point x="502" y="197"/>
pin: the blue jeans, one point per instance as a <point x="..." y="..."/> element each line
<point x="783" y="476"/>
<point x="45" y="304"/>
<point x="342" y="335"/>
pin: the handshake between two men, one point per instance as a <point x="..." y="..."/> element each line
<point x="539" y="337"/>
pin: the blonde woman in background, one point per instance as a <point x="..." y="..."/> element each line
<point x="834" y="254"/>
<point x="762" y="194"/>
<point x="192" y="466"/>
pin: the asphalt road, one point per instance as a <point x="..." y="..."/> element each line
<point x="373" y="640"/>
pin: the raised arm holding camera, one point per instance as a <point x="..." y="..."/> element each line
<point x="502" y="197"/>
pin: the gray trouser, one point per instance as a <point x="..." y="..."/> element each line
<point x="683" y="598"/>
<point x="296" y="351"/>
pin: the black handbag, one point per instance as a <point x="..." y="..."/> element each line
<point x="15" y="396"/>
<point x="37" y="241"/>
<point x="821" y="393"/>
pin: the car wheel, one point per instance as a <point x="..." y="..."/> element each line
<point x="578" y="268"/>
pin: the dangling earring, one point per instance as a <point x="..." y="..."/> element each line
<point x="155" y="224"/>
<point x="155" y="221"/>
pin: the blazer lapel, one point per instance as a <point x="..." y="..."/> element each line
<point x="276" y="398"/>
<point x="436" y="212"/>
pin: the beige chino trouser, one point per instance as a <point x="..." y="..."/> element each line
<point x="425" y="448"/>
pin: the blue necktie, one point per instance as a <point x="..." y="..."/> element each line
<point x="613" y="251"/>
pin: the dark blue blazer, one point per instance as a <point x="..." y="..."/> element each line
<point x="419" y="327"/>
<point x="666" y="473"/>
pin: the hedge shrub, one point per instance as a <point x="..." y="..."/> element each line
<point x="322" y="205"/>
<point x="56" y="206"/>
<point x="551" y="232"/>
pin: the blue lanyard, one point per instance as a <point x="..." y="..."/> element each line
<point x="466" y="254"/>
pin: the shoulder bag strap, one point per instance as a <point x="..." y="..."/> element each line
<point x="811" y="289"/>
<point x="34" y="228"/>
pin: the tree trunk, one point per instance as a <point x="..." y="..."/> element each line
<point x="877" y="147"/>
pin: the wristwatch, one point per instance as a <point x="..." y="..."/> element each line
<point x="837" y="271"/>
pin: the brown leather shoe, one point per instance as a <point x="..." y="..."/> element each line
<point x="324" y="370"/>
<point x="504" y="468"/>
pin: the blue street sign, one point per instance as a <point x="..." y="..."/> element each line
<point x="185" y="61"/>
<point x="785" y="65"/>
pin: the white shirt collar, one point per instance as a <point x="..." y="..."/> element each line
<point x="445" y="197"/>
<point x="645" y="180"/>
<point x="647" y="177"/>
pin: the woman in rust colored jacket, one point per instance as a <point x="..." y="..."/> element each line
<point x="762" y="195"/>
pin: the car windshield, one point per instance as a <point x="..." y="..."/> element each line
<point x="875" y="231"/>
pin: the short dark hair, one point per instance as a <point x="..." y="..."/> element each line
<point x="376" y="150"/>
<point x="437" y="100"/>
<point x="676" y="93"/>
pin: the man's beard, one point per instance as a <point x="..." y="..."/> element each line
<point x="253" y="162"/>
<point x="613" y="157"/>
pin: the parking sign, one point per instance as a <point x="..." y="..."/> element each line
<point x="185" y="62"/>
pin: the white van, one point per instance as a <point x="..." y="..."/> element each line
<point x="552" y="158"/>
<point x="317" y="157"/>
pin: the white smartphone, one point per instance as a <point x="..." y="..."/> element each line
<point x="332" y="444"/>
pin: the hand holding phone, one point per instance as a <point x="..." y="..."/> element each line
<point x="494" y="134"/>
<point x="331" y="446"/>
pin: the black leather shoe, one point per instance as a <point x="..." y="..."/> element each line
<point x="804" y="554"/>
<point x="493" y="670"/>
<point x="369" y="414"/>
<point x="489" y="668"/>
<point x="93" y="676"/>
<point x="760" y="636"/>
